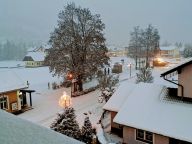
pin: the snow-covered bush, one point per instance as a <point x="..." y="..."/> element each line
<point x="107" y="84"/>
<point x="144" y="75"/>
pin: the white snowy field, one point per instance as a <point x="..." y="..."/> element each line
<point x="45" y="101"/>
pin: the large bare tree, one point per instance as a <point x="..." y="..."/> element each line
<point x="77" y="44"/>
<point x="144" y="44"/>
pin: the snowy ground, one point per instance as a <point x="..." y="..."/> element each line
<point x="45" y="101"/>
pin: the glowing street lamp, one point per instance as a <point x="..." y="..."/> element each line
<point x="65" y="100"/>
<point x="160" y="60"/>
<point x="70" y="77"/>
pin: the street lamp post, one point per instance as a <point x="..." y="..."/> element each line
<point x="130" y="70"/>
<point x="65" y="100"/>
<point x="70" y="77"/>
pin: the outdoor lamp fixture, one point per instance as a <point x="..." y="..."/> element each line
<point x="70" y="77"/>
<point x="20" y="94"/>
<point x="65" y="100"/>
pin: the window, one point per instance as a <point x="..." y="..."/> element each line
<point x="3" y="102"/>
<point x="144" y="136"/>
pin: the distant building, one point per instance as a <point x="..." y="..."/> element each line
<point x="14" y="130"/>
<point x="154" y="114"/>
<point x="34" y="59"/>
<point x="170" y="51"/>
<point x="36" y="56"/>
<point x="117" y="52"/>
<point x="13" y="93"/>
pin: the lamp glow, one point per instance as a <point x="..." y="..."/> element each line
<point x="65" y="100"/>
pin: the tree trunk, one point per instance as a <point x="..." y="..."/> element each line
<point x="136" y="61"/>
<point x="79" y="83"/>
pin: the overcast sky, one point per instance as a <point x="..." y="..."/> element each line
<point x="33" y="20"/>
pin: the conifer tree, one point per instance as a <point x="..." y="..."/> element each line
<point x="66" y="124"/>
<point x="144" y="75"/>
<point x="87" y="131"/>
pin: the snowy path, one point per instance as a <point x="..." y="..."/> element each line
<point x="46" y="107"/>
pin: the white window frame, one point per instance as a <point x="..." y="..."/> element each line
<point x="144" y="139"/>
<point x="7" y="102"/>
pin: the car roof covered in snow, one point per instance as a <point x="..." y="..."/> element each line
<point x="10" y="81"/>
<point x="149" y="108"/>
<point x="14" y="130"/>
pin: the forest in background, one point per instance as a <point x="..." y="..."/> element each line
<point x="11" y="50"/>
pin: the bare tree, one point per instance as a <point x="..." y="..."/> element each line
<point x="150" y="42"/>
<point x="135" y="45"/>
<point x="143" y="44"/>
<point x="78" y="44"/>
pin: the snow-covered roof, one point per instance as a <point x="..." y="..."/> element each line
<point x="119" y="97"/>
<point x="14" y="130"/>
<point x="180" y="65"/>
<point x="10" y="81"/>
<point x="36" y="56"/>
<point x="146" y="108"/>
<point x="167" y="47"/>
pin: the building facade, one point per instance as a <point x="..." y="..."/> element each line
<point x="14" y="95"/>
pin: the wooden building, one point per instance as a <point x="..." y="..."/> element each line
<point x="170" y="52"/>
<point x="14" y="95"/>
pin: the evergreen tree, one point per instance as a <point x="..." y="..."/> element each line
<point x="144" y="75"/>
<point x="77" y="44"/>
<point x="87" y="131"/>
<point x="187" y="51"/>
<point x="66" y="124"/>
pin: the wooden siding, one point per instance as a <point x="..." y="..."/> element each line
<point x="12" y="98"/>
<point x="129" y="137"/>
<point x="113" y="125"/>
<point x="185" y="79"/>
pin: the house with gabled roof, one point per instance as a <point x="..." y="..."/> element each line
<point x="14" y="130"/>
<point x="14" y="93"/>
<point x="34" y="59"/>
<point x="169" y="51"/>
<point x="154" y="114"/>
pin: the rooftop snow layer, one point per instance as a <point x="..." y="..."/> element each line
<point x="182" y="64"/>
<point x="36" y="56"/>
<point x="10" y="81"/>
<point x="14" y="130"/>
<point x="146" y="109"/>
<point x="168" y="48"/>
<point x="119" y="97"/>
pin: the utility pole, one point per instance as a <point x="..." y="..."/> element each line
<point x="130" y="70"/>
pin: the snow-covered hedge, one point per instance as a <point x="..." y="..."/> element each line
<point x="85" y="91"/>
